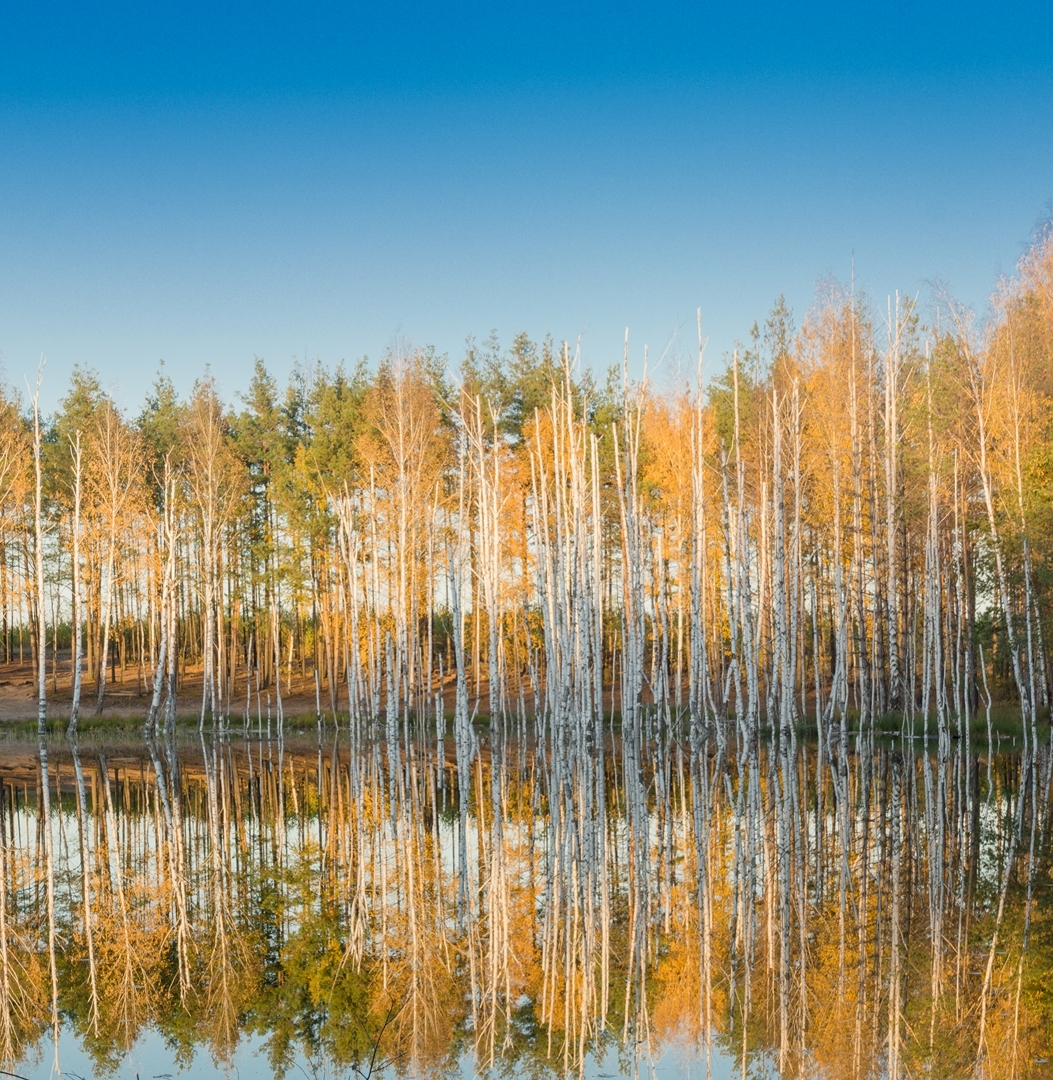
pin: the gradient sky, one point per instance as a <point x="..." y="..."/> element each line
<point x="207" y="183"/>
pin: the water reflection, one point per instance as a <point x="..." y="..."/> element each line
<point x="532" y="905"/>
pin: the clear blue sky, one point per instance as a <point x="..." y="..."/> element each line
<point x="206" y="183"/>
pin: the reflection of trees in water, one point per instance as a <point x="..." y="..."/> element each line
<point x="856" y="913"/>
<point x="23" y="1012"/>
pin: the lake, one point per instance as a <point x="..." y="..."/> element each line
<point x="337" y="902"/>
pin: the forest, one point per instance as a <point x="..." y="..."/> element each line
<point x="841" y="524"/>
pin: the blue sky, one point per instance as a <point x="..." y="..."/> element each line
<point x="207" y="183"/>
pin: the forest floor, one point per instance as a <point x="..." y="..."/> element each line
<point x="128" y="698"/>
<point x="128" y="695"/>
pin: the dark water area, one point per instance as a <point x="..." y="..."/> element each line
<point x="336" y="903"/>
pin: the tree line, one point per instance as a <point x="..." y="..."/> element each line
<point x="843" y="521"/>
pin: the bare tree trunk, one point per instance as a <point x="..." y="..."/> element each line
<point x="38" y="554"/>
<point x="168" y="540"/>
<point x="75" y="615"/>
<point x="107" y="600"/>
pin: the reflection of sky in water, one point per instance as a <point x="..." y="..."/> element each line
<point x="151" y="1059"/>
<point x="996" y="819"/>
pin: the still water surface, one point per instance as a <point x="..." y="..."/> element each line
<point x="326" y="904"/>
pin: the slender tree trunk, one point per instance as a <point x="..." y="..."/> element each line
<point x="75" y="610"/>
<point x="38" y="565"/>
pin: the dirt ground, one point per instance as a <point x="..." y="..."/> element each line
<point x="129" y="696"/>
